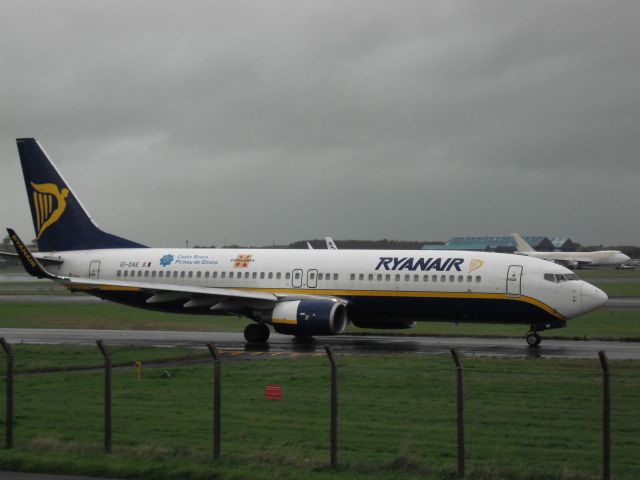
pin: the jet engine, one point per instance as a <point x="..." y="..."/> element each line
<point x="306" y="318"/>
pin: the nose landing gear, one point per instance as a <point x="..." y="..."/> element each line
<point x="533" y="339"/>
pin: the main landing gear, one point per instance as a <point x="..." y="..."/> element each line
<point x="533" y="339"/>
<point x="256" y="333"/>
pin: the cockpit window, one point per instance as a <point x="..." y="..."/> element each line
<point x="560" y="277"/>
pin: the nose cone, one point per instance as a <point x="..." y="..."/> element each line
<point x="622" y="258"/>
<point x="592" y="297"/>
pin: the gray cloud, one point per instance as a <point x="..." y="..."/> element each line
<point x="255" y="122"/>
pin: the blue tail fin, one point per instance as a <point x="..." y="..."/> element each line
<point x="59" y="219"/>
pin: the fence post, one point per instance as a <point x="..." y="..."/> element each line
<point x="216" y="400"/>
<point x="606" y="417"/>
<point x="8" y="443"/>
<point x="334" y="407"/>
<point x="107" y="395"/>
<point x="460" y="396"/>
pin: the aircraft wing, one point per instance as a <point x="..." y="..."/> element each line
<point x="198" y="296"/>
<point x="162" y="292"/>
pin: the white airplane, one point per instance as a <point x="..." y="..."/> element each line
<point x="298" y="292"/>
<point x="572" y="259"/>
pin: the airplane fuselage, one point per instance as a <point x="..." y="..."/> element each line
<point x="384" y="285"/>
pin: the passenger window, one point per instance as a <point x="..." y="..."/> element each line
<point x="353" y="276"/>
<point x="139" y="273"/>
<point x="246" y="274"/>
<point x="443" y="278"/>
<point x="397" y="277"/>
<point x="425" y="278"/>
<point x="407" y="277"/>
<point x="126" y="273"/>
<point x="327" y="276"/>
<point x="153" y="274"/>
<point x="370" y="277"/>
<point x="199" y="275"/>
<point x="469" y="278"/>
<point x="452" y="278"/>
<point x="460" y="278"/>
<point x="223" y="274"/>
<point x="262" y="275"/>
<point x="434" y="278"/>
<point x="133" y="273"/>
<point x="335" y="276"/>
<point x="118" y="273"/>
<point x="175" y="274"/>
<point x="190" y="274"/>
<point x="297" y="275"/>
<point x="387" y="277"/>
<point x="416" y="278"/>
<point x="379" y="277"/>
<point x="270" y="276"/>
<point x="230" y="274"/>
<point x="161" y="274"/>
<point x="320" y="276"/>
<point x="478" y="278"/>
<point x="206" y="274"/>
<point x="287" y="276"/>
<point x="361" y="276"/>
<point x="278" y="276"/>
<point x="214" y="274"/>
<point x="146" y="273"/>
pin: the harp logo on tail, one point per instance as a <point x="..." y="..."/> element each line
<point x="49" y="204"/>
<point x="475" y="264"/>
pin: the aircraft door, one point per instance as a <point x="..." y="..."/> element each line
<point x="94" y="270"/>
<point x="312" y="278"/>
<point x="514" y="280"/>
<point x="296" y="278"/>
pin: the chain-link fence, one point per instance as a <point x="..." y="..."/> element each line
<point x="523" y="418"/>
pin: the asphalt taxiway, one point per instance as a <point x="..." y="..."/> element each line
<point x="283" y="345"/>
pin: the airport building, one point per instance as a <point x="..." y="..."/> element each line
<point x="504" y="244"/>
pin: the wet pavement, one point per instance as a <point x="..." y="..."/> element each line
<point x="283" y="345"/>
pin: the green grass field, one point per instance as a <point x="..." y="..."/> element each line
<point x="601" y="324"/>
<point x="525" y="419"/>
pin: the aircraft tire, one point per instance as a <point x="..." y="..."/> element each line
<point x="533" y="339"/>
<point x="256" y="333"/>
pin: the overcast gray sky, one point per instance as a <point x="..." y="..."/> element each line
<point x="261" y="122"/>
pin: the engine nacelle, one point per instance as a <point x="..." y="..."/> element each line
<point x="402" y="324"/>
<point x="309" y="317"/>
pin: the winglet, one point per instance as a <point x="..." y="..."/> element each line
<point x="29" y="262"/>
<point x="523" y="246"/>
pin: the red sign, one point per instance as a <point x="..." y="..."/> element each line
<point x="273" y="392"/>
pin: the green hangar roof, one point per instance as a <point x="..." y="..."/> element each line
<point x="492" y="244"/>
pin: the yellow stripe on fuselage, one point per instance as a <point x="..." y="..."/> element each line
<point x="113" y="288"/>
<point x="411" y="294"/>
<point x="358" y="293"/>
<point x="284" y="320"/>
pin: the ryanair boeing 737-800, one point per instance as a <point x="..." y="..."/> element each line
<point x="298" y="292"/>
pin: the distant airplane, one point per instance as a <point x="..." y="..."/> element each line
<point x="302" y="292"/>
<point x="575" y="260"/>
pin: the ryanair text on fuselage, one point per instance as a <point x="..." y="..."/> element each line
<point x="424" y="264"/>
